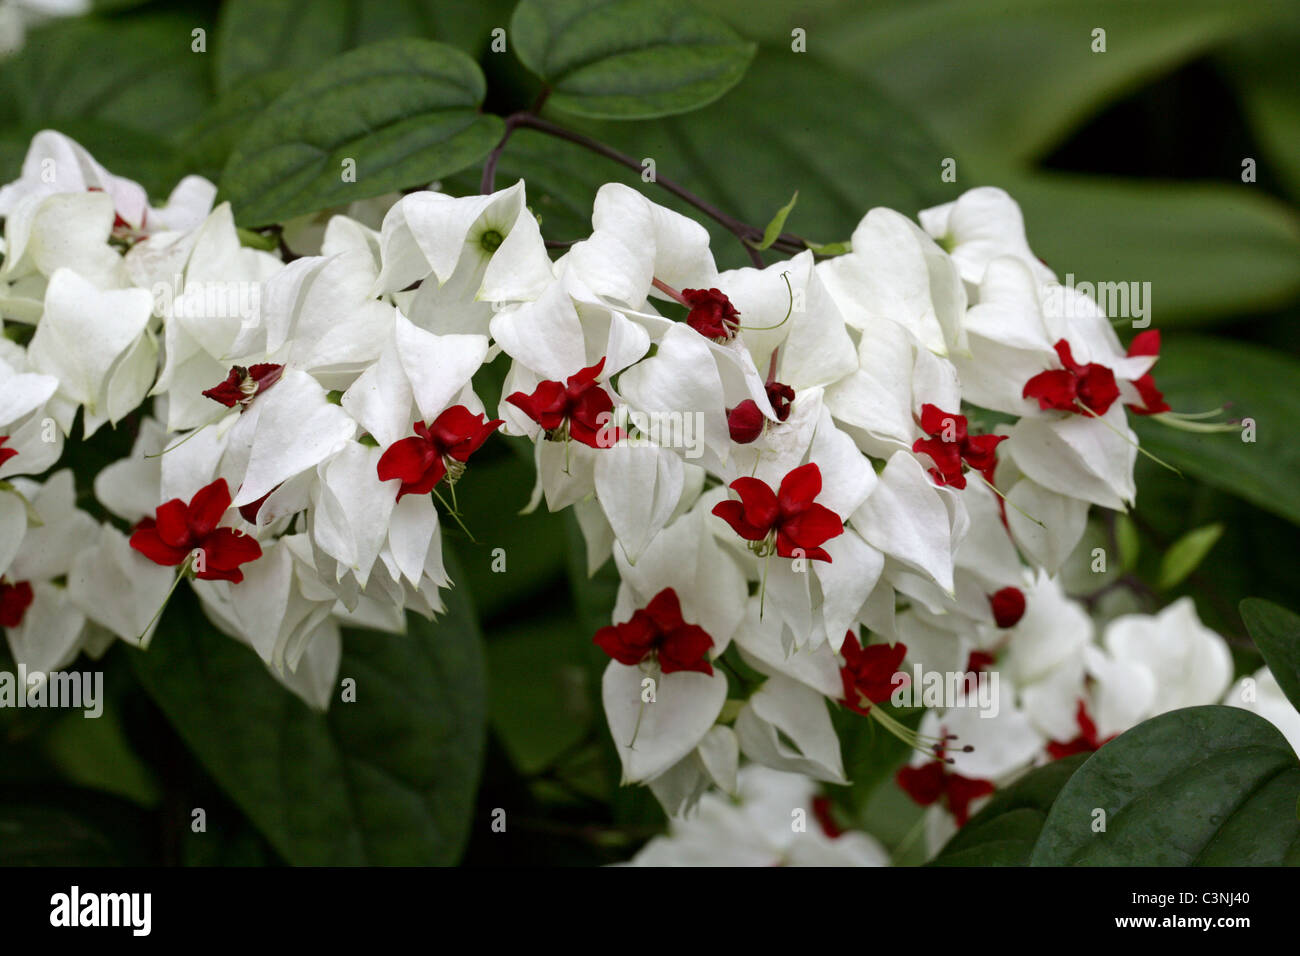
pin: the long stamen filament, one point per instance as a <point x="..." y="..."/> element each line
<point x="1130" y="441"/>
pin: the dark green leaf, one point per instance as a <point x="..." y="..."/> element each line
<point x="388" y="779"/>
<point x="871" y="755"/>
<point x="213" y="136"/>
<point x="1009" y="78"/>
<point x="400" y="112"/>
<point x="1276" y="632"/>
<point x="1204" y="786"/>
<point x="259" y="36"/>
<point x="1197" y="374"/>
<point x="793" y="123"/>
<point x="1003" y="833"/>
<point x="1207" y="249"/>
<point x="628" y="59"/>
<point x="138" y="72"/>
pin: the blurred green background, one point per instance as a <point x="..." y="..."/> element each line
<point x="1128" y="164"/>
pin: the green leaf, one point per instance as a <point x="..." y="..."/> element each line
<point x="213" y="136"/>
<point x="260" y="36"/>
<point x="1004" y="832"/>
<point x="1199" y="373"/>
<point x="1262" y="68"/>
<point x="628" y="59"/>
<point x="403" y="112"/>
<point x="136" y="72"/>
<point x="1276" y="632"/>
<point x="871" y="754"/>
<point x="1010" y="78"/>
<point x="744" y="155"/>
<point x="1207" y="250"/>
<point x="1203" y="786"/>
<point x="775" y="227"/>
<point x="490" y="506"/>
<point x="33" y="834"/>
<point x="386" y="780"/>
<point x="542" y="695"/>
<point x="1186" y="554"/>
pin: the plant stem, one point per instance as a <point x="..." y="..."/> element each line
<point x="747" y="234"/>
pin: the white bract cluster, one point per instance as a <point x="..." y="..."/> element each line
<point x="836" y="465"/>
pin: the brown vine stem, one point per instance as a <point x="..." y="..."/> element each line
<point x="746" y="233"/>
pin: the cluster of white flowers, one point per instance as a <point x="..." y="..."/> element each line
<point x="837" y="465"/>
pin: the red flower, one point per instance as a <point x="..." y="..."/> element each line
<point x="6" y="453"/>
<point x="788" y="518"/>
<point x="1085" y="743"/>
<point x="179" y="530"/>
<point x="950" y="443"/>
<point x="1091" y="385"/>
<point x="933" y="781"/>
<point x="868" y="672"/>
<point x="824" y="814"/>
<point x="745" y="421"/>
<point x="712" y="314"/>
<point x="242" y="385"/>
<point x="577" y="408"/>
<point x="658" y="629"/>
<point x="979" y="661"/>
<point x="1008" y="606"/>
<point x="15" y="599"/>
<point x="780" y="397"/>
<point x="435" y="450"/>
<point x="1153" y="400"/>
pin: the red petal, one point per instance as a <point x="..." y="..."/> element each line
<point x="407" y="459"/>
<point x="924" y="784"/>
<point x="582" y="380"/>
<point x="665" y="610"/>
<point x="812" y="527"/>
<point x="226" y="549"/>
<point x="172" y="525"/>
<point x="745" y="422"/>
<point x="759" y="502"/>
<point x="207" y="506"/>
<point x="733" y="512"/>
<point x="947" y="460"/>
<point x="228" y="392"/>
<point x="961" y="791"/>
<point x="15" y="599"/>
<point x="629" y="642"/>
<point x="545" y="406"/>
<point x="980" y="451"/>
<point x="1153" y="400"/>
<point x="799" y="488"/>
<point x="935" y="422"/>
<point x="1097" y="388"/>
<point x="1008" y="606"/>
<point x="686" y="649"/>
<point x="1053" y="389"/>
<point x="147" y="541"/>
<point x="1145" y="343"/>
<point x="1063" y="352"/>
